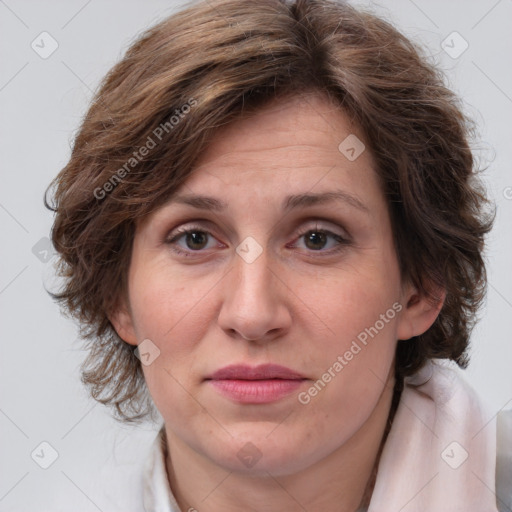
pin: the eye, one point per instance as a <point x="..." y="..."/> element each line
<point x="190" y="239"/>
<point x="194" y="239"/>
<point x="322" y="240"/>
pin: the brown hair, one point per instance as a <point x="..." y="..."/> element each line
<point x="206" y="65"/>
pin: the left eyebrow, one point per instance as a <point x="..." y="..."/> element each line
<point x="291" y="202"/>
<point x="313" y="199"/>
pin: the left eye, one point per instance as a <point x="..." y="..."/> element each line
<point x="318" y="239"/>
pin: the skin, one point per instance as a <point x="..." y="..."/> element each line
<point x="297" y="304"/>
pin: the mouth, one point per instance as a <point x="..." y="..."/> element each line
<point x="255" y="385"/>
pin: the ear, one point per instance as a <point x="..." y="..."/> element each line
<point x="122" y="321"/>
<point x="420" y="311"/>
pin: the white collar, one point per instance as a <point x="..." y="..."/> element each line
<point x="440" y="454"/>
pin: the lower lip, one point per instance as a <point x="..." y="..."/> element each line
<point x="256" y="391"/>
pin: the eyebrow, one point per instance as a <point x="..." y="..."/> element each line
<point x="291" y="202"/>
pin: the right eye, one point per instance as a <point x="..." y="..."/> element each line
<point x="189" y="239"/>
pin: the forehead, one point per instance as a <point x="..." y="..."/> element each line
<point x="295" y="123"/>
<point x="291" y="143"/>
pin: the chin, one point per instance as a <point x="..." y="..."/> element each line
<point x="258" y="450"/>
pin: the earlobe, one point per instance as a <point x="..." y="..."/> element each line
<point x="420" y="312"/>
<point x="123" y="324"/>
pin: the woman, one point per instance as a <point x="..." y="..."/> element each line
<point x="271" y="229"/>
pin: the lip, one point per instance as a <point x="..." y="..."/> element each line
<point x="255" y="384"/>
<point x="261" y="372"/>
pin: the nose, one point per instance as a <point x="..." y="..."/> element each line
<point x="255" y="301"/>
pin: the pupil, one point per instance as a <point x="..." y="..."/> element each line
<point x="198" y="238"/>
<point x="317" y="240"/>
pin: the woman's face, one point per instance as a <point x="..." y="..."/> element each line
<point x="290" y="262"/>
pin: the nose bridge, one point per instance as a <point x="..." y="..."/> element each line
<point x="252" y="274"/>
<point x="251" y="299"/>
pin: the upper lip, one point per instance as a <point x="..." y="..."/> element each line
<point x="261" y="372"/>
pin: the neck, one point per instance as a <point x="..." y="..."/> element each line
<point x="341" y="482"/>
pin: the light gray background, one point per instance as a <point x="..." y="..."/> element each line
<point x="41" y="104"/>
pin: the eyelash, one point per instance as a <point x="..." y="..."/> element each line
<point x="180" y="232"/>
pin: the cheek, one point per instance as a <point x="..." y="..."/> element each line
<point x="353" y="300"/>
<point x="361" y="340"/>
<point x="167" y="304"/>
<point x="353" y="360"/>
<point x="176" y="326"/>
<point x="171" y="310"/>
